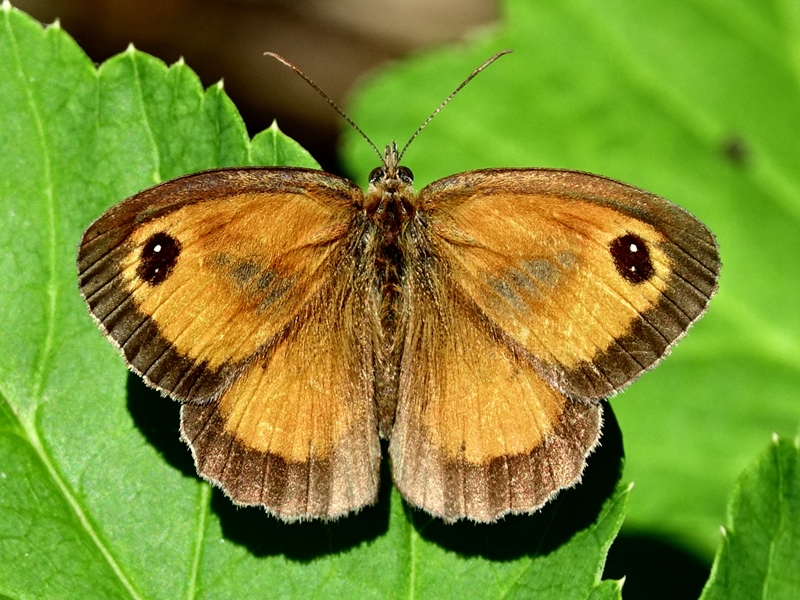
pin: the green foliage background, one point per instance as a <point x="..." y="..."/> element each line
<point x="696" y="101"/>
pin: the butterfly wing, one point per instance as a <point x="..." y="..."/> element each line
<point x="543" y="292"/>
<point x="593" y="278"/>
<point x="242" y="293"/>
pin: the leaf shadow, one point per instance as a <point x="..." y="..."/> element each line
<point x="655" y="567"/>
<point x="516" y="536"/>
<point x="158" y="419"/>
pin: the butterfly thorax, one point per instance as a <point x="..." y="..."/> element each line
<point x="390" y="202"/>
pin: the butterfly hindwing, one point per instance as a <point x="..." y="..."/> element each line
<point x="297" y="430"/>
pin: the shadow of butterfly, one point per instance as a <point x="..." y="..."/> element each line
<point x="475" y="324"/>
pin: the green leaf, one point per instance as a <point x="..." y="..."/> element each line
<point x="697" y="101"/>
<point x="761" y="543"/>
<point x="98" y="496"/>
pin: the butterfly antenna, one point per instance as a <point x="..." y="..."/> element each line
<point x="325" y="96"/>
<point x="450" y="97"/>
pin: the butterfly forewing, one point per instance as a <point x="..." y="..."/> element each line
<point x="592" y="279"/>
<point x="170" y="273"/>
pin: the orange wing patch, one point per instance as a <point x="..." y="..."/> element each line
<point x="223" y="300"/>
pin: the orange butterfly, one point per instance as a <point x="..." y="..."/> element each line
<point x="475" y="324"/>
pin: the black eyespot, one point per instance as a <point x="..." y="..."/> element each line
<point x="405" y="174"/>
<point x="159" y="256"/>
<point x="376" y="174"/>
<point x="632" y="258"/>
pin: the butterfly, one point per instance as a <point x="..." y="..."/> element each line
<point x="476" y="325"/>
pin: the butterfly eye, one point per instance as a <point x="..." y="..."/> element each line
<point x="405" y="174"/>
<point x="376" y="174"/>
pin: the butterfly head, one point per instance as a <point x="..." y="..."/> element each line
<point x="391" y="186"/>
